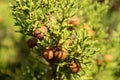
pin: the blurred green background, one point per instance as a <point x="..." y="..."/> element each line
<point x="11" y="45"/>
<point x="13" y="49"/>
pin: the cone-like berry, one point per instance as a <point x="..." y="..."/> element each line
<point x="75" y="21"/>
<point x="75" y="67"/>
<point x="36" y="32"/>
<point x="44" y="29"/>
<point x="99" y="61"/>
<point x="32" y="42"/>
<point x="61" y="55"/>
<point x="48" y="54"/>
<point x="40" y="36"/>
<point x="39" y="33"/>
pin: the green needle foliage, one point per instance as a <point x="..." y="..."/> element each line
<point x="70" y="35"/>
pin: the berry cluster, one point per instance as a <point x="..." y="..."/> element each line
<point x="104" y="59"/>
<point x="55" y="53"/>
<point x="57" y="35"/>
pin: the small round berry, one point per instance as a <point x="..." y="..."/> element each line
<point x="75" y="67"/>
<point x="99" y="61"/>
<point x="108" y="57"/>
<point x="48" y="54"/>
<point x="75" y="21"/>
<point x="61" y="55"/>
<point x="39" y="32"/>
<point x="40" y="36"/>
<point x="32" y="42"/>
<point x="44" y="29"/>
<point x="36" y="32"/>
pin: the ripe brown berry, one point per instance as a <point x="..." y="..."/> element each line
<point x="108" y="57"/>
<point x="44" y="29"/>
<point x="75" y="21"/>
<point x="32" y="42"/>
<point x="61" y="55"/>
<point x="48" y="54"/>
<point x="75" y="67"/>
<point x="99" y="61"/>
<point x="36" y="32"/>
<point x="40" y="36"/>
<point x="39" y="33"/>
